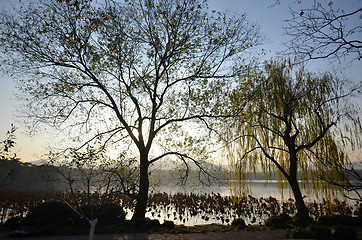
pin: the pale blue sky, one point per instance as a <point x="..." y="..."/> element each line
<point x="270" y="19"/>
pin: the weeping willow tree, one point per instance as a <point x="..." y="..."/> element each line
<point x="295" y="125"/>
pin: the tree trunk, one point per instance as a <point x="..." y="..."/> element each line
<point x="142" y="198"/>
<point x="302" y="217"/>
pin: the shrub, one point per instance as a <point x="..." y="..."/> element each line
<point x="296" y="232"/>
<point x="343" y="232"/>
<point x="168" y="224"/>
<point x="110" y="213"/>
<point x="281" y="221"/>
<point x="107" y="214"/>
<point x="312" y="231"/>
<point x="154" y="223"/>
<point x="330" y="220"/>
<point x="142" y="225"/>
<point x="51" y="213"/>
<point x="238" y="223"/>
<point x="358" y="212"/>
<point x="319" y="232"/>
<point x="13" y="223"/>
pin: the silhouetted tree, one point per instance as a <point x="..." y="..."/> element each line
<point x="295" y="125"/>
<point x="351" y="174"/>
<point x="128" y="73"/>
<point x="6" y="156"/>
<point x="325" y="32"/>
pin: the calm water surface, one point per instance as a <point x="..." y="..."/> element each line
<point x="259" y="188"/>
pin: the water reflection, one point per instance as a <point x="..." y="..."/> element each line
<point x="259" y="188"/>
<point x="205" y="205"/>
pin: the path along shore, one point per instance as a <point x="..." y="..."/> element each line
<point x="249" y="235"/>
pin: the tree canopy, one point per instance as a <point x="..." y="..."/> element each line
<point x="127" y="73"/>
<point x="7" y="144"/>
<point x="325" y="31"/>
<point x="295" y="124"/>
<point x="7" y="156"/>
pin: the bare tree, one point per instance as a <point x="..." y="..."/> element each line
<point x="325" y="32"/>
<point x="91" y="170"/>
<point x="349" y="178"/>
<point x="129" y="74"/>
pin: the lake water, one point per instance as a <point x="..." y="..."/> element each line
<point x="260" y="188"/>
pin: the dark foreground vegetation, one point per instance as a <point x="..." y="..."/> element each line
<point x="40" y="213"/>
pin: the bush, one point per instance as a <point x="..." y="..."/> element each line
<point x="154" y="223"/>
<point x="358" y="212"/>
<point x="110" y="213"/>
<point x="296" y="232"/>
<point x="319" y="232"/>
<point x="281" y="221"/>
<point x="330" y="220"/>
<point x="238" y="223"/>
<point x="343" y="232"/>
<point x="312" y="231"/>
<point x="13" y="223"/>
<point x="51" y="213"/>
<point x="107" y="214"/>
<point x="142" y="225"/>
<point x="168" y="224"/>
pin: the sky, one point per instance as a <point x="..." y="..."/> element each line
<point x="271" y="20"/>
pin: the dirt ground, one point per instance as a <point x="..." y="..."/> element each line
<point x="250" y="235"/>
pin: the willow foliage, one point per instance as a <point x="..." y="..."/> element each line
<point x="293" y="125"/>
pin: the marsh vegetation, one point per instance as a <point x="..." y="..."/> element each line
<point x="180" y="209"/>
